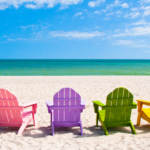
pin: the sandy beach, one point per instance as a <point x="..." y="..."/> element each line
<point x="42" y="88"/>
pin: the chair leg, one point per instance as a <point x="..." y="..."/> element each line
<point x="132" y="128"/>
<point x="33" y="119"/>
<point x="81" y="129"/>
<point x="53" y="129"/>
<point x="97" y="117"/>
<point x="104" y="128"/>
<point x="139" y="119"/>
<point x="21" y="129"/>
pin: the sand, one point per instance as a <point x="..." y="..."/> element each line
<point x="42" y="88"/>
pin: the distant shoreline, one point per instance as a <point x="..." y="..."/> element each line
<point x="70" y="59"/>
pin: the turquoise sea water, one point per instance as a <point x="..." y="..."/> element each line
<point x="73" y="67"/>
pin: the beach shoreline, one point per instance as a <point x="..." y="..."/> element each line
<point x="43" y="88"/>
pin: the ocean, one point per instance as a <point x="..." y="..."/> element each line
<point x="62" y="67"/>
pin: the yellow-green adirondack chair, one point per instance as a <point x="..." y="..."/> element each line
<point x="117" y="111"/>
<point x="143" y="112"/>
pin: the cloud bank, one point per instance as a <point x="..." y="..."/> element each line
<point x="35" y="4"/>
<point x="76" y="34"/>
<point x="95" y="3"/>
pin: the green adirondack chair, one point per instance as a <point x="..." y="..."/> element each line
<point x="117" y="111"/>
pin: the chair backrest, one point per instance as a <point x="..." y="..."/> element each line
<point x="68" y="101"/>
<point x="119" y="105"/>
<point x="10" y="112"/>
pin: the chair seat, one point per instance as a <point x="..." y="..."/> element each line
<point x="66" y="124"/>
<point x="102" y="114"/>
<point x="27" y="116"/>
<point x="146" y="111"/>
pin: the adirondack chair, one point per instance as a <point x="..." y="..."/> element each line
<point x="66" y="109"/>
<point x="143" y="112"/>
<point x="117" y="110"/>
<point x="13" y="115"/>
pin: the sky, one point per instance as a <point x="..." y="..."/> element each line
<point x="74" y="29"/>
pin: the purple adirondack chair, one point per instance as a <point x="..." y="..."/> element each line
<point x="66" y="109"/>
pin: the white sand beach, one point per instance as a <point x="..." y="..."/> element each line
<point x="42" y="88"/>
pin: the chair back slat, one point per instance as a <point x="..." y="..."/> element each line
<point x="67" y="97"/>
<point x="10" y="112"/>
<point x="7" y="98"/>
<point x="119" y="104"/>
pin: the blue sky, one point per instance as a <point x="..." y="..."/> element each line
<point x="75" y="29"/>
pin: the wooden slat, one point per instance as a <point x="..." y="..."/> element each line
<point x="118" y="105"/>
<point x="66" y="97"/>
<point x="10" y="112"/>
<point x="73" y="97"/>
<point x="61" y="102"/>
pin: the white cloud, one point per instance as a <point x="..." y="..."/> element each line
<point x="124" y="42"/>
<point x="132" y="43"/>
<point x="2" y="7"/>
<point x="135" y="31"/>
<point x="134" y="9"/>
<point x="133" y="15"/>
<point x="31" y="6"/>
<point x="110" y="14"/>
<point x="30" y="27"/>
<point x="95" y="3"/>
<point x="78" y="14"/>
<point x="116" y="3"/>
<point x="35" y="4"/>
<point x="76" y="34"/>
<point x="118" y="13"/>
<point x="146" y="10"/>
<point x="18" y="39"/>
<point x="46" y="34"/>
<point x="124" y="5"/>
<point x="97" y="12"/>
<point x="140" y="22"/>
<point x="145" y="1"/>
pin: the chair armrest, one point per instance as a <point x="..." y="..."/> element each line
<point x="134" y="105"/>
<point x="97" y="104"/>
<point x="145" y="102"/>
<point x="29" y="105"/>
<point x="49" y="106"/>
<point x="82" y="107"/>
<point x="49" y="103"/>
<point x="33" y="105"/>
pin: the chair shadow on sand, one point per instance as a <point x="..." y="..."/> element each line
<point x="4" y="130"/>
<point x="91" y="131"/>
<point x="143" y="129"/>
<point x="46" y="131"/>
<point x="98" y="131"/>
<point x="14" y="130"/>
